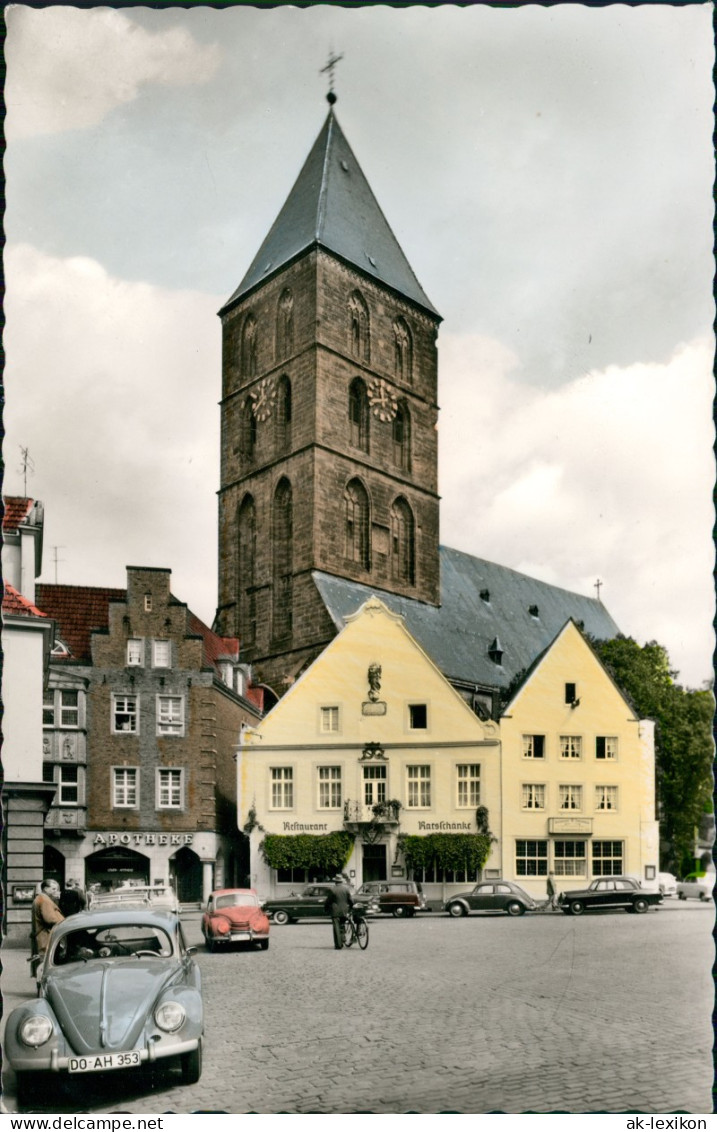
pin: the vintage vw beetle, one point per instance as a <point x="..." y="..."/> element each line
<point x="118" y="988"/>
<point x="235" y="915"/>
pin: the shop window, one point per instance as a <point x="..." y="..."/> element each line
<point x="531" y="858"/>
<point x="569" y="859"/>
<point x="292" y="876"/>
<point x="607" y="858"/>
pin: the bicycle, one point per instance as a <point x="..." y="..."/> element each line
<point x="356" y="929"/>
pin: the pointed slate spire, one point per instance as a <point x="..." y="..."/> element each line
<point x="331" y="205"/>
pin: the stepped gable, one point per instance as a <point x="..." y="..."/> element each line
<point x="332" y="206"/>
<point x="78" y="610"/>
<point x="480" y="602"/>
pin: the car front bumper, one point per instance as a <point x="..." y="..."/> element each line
<point x="55" y="1062"/>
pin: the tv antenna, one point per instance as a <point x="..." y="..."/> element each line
<point x="27" y="467"/>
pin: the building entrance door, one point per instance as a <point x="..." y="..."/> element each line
<point x="374" y="863"/>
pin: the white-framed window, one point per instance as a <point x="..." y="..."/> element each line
<point x="125" y="715"/>
<point x="531" y="858"/>
<point x="48" y="708"/>
<point x="170" y="715"/>
<point x="607" y="858"/>
<point x="125" y="787"/>
<point x="282" y="787"/>
<point x="569" y="858"/>
<point x="69" y="786"/>
<point x="533" y="746"/>
<point x="606" y="747"/>
<point x="135" y="652"/>
<point x="418" y="794"/>
<point x="418" y="717"/>
<point x="533" y="796"/>
<point x="468" y="782"/>
<point x="61" y="707"/>
<point x="170" y="788"/>
<point x="374" y="785"/>
<point x="329" y="719"/>
<point x="161" y="654"/>
<point x="606" y="797"/>
<point x="570" y="797"/>
<point x="571" y="747"/>
<point x="147" y="603"/>
<point x="329" y="787"/>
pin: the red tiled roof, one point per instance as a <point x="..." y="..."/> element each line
<point x="17" y="508"/>
<point x="14" y="602"/>
<point x="78" y="610"/>
<point x="215" y="647"/>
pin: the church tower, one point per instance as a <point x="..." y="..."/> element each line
<point x="328" y="419"/>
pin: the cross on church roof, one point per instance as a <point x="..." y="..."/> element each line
<point x="330" y="67"/>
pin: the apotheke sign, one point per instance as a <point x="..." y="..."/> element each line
<point x="143" y="839"/>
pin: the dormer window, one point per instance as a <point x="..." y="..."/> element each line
<point x="570" y="693"/>
<point x="485" y="595"/>
<point x="533" y="611"/>
<point x="495" y="652"/>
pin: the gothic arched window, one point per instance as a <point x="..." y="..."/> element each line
<point x="283" y="414"/>
<point x="403" y="540"/>
<point x="285" y="325"/>
<point x="248" y="347"/>
<point x="401" y="429"/>
<point x="358" y="414"/>
<point x="283" y="552"/>
<point x="248" y="430"/>
<point x="246" y="569"/>
<point x="356" y="524"/>
<point x="359" y="327"/>
<point x="403" y="343"/>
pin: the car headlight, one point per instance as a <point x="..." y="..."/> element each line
<point x="36" y="1030"/>
<point x="222" y="926"/>
<point x="170" y="1016"/>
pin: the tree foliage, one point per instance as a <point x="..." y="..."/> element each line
<point x="317" y="852"/>
<point x="455" y="851"/>
<point x="683" y="739"/>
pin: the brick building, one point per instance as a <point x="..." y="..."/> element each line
<point x="142" y="716"/>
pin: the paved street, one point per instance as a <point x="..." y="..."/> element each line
<point x="608" y="1012"/>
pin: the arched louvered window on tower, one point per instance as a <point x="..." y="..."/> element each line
<point x="283" y="553"/>
<point x="403" y="542"/>
<point x="282" y="416"/>
<point x="285" y="325"/>
<point x="248" y="431"/>
<point x="248" y="346"/>
<point x="401" y="428"/>
<point x="358" y="414"/>
<point x="403" y="356"/>
<point x="246" y="569"/>
<point x="357" y="548"/>
<point x="359" y="327"/>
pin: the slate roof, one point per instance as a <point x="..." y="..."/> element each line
<point x="459" y="633"/>
<point x="332" y="206"/>
<point x="15" y="604"/>
<point x="16" y="510"/>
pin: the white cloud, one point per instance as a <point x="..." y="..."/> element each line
<point x="608" y="477"/>
<point x="67" y="68"/>
<point x="113" y="387"/>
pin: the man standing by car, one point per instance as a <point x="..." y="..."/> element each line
<point x="45" y="914"/>
<point x="73" y="899"/>
<point x="339" y="904"/>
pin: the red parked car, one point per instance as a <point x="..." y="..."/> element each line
<point x="235" y="915"/>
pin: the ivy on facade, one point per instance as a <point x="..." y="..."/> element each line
<point x="322" y="853"/>
<point x="456" y="851"/>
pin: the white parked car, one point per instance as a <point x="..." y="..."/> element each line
<point x="667" y="884"/>
<point x="698" y="886"/>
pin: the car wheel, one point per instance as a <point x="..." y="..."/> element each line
<point x="640" y="906"/>
<point x="191" y="1064"/>
<point x="456" y="910"/>
<point x="400" y="910"/>
<point x="576" y="907"/>
<point x="681" y="896"/>
<point x="281" y="917"/>
<point x="515" y="908"/>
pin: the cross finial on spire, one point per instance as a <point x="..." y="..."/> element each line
<point x="330" y="67"/>
<point x="598" y="586"/>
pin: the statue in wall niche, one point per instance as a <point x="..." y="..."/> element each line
<point x="68" y="748"/>
<point x="374" y="681"/>
<point x="46" y="746"/>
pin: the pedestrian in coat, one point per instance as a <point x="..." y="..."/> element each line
<point x="45" y="914"/>
<point x="338" y="904"/>
<point x="73" y="899"/>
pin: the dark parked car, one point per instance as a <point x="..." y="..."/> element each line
<point x="118" y="989"/>
<point x="609" y="892"/>
<point x="399" y="897"/>
<point x="308" y="904"/>
<point x="235" y="915"/>
<point x="492" y="896"/>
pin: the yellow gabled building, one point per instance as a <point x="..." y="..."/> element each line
<point x="578" y="775"/>
<point x="371" y="741"/>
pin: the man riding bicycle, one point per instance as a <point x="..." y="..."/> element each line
<point x="339" y="904"/>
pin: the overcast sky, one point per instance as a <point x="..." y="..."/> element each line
<point x="548" y="173"/>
